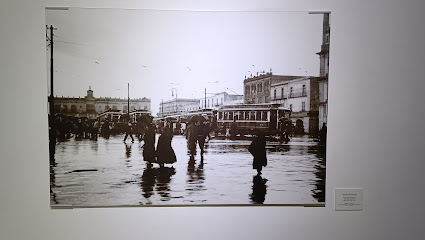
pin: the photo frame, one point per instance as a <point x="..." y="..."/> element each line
<point x="187" y="108"/>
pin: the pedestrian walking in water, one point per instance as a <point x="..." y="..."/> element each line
<point x="164" y="151"/>
<point x="129" y="131"/>
<point x="149" y="153"/>
<point x="258" y="150"/>
<point x="104" y="130"/>
<point x="203" y="131"/>
<point x="191" y="136"/>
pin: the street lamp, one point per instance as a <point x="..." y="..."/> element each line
<point x="172" y="94"/>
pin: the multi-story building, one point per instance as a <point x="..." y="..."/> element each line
<point x="220" y="99"/>
<point x="301" y="95"/>
<point x="257" y="89"/>
<point x="324" y="71"/>
<point x="191" y="107"/>
<point x="177" y="106"/>
<point x="90" y="106"/>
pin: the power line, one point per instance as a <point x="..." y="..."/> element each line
<point x="71" y="43"/>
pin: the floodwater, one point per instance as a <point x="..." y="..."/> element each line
<point x="109" y="172"/>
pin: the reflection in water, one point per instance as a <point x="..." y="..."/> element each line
<point x="53" y="182"/>
<point x="128" y="149"/>
<point x="295" y="173"/>
<point x="161" y="177"/>
<point x="148" y="181"/>
<point x="320" y="173"/>
<point x="94" y="145"/>
<point x="259" y="189"/>
<point x="196" y="175"/>
<point x="280" y="148"/>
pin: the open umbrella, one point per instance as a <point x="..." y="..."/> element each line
<point x="145" y="118"/>
<point x="197" y="118"/>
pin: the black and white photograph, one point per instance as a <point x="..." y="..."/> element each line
<point x="187" y="108"/>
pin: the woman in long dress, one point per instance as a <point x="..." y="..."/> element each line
<point x="149" y="153"/>
<point x="164" y="151"/>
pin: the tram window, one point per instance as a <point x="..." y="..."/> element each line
<point x="230" y="115"/>
<point x="236" y="115"/>
<point x="264" y="116"/>
<point x="246" y="115"/>
<point x="258" y="117"/>
<point x="226" y="116"/>
<point x="220" y="115"/>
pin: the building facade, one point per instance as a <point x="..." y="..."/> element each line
<point x="220" y="99"/>
<point x="177" y="106"/>
<point x="324" y="71"/>
<point x="90" y="106"/>
<point x="258" y="89"/>
<point x="301" y="95"/>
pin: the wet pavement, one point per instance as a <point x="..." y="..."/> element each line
<point x="109" y="172"/>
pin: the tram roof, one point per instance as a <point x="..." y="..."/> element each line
<point x="114" y="112"/>
<point x="258" y="106"/>
<point x="140" y="111"/>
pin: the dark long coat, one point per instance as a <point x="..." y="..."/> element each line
<point x="149" y="153"/>
<point x="258" y="150"/>
<point x="164" y="151"/>
<point x="192" y="136"/>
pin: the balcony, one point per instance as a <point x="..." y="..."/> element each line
<point x="298" y="94"/>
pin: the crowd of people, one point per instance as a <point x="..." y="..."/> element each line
<point x="197" y="132"/>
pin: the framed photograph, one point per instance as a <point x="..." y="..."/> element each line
<point x="187" y="108"/>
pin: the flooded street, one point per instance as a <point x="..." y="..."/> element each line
<point x="111" y="172"/>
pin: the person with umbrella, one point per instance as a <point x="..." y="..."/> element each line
<point x="192" y="135"/>
<point x="203" y="132"/>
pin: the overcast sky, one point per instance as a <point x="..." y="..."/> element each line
<point x="156" y="51"/>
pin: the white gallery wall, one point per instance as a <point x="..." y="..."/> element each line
<point x="376" y="134"/>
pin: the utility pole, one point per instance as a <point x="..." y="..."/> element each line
<point x="205" y="101"/>
<point x="128" y="100"/>
<point x="51" y="72"/>
<point x="172" y="94"/>
<point x="162" y="107"/>
<point x="52" y="132"/>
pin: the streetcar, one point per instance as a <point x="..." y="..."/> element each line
<point x="248" y="119"/>
<point x="111" y="115"/>
<point x="136" y="115"/>
<point x="207" y="113"/>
